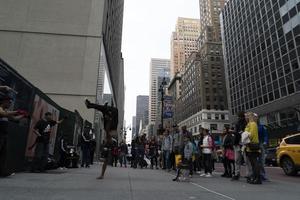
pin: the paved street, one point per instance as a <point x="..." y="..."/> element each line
<point x="137" y="184"/>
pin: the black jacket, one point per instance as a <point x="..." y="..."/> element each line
<point x="239" y="129"/>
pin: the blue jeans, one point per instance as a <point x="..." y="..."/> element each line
<point x="123" y="159"/>
<point x="262" y="160"/>
<point x="167" y="159"/>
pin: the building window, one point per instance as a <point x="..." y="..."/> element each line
<point x="214" y="127"/>
<point x="222" y="116"/>
<point x="208" y="116"/>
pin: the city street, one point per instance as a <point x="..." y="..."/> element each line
<point x="137" y="184"/>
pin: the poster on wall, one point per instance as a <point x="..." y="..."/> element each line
<point x="40" y="107"/>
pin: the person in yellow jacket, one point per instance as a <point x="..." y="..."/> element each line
<point x="252" y="149"/>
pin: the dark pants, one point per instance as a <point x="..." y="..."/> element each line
<point x="85" y="155"/>
<point x="92" y="152"/>
<point x="197" y="163"/>
<point x="207" y="163"/>
<point x="255" y="164"/>
<point x="123" y="159"/>
<point x="154" y="161"/>
<point x="167" y="161"/>
<point x="63" y="159"/>
<point x="228" y="166"/>
<point x="115" y="160"/>
<point x="41" y="154"/>
<point x="3" y="153"/>
<point x="172" y="160"/>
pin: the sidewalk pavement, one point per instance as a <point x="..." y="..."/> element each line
<point x="135" y="184"/>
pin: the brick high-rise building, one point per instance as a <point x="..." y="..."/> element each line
<point x="203" y="101"/>
<point x="183" y="42"/>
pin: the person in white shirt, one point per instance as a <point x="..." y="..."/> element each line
<point x="207" y="146"/>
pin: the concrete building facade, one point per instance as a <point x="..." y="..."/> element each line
<point x="56" y="50"/>
<point x="64" y="47"/>
<point x="158" y="68"/>
<point x="262" y="51"/>
<point x="183" y="42"/>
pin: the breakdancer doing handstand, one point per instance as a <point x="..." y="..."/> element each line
<point x="110" y="115"/>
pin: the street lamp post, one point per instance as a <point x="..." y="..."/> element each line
<point x="161" y="90"/>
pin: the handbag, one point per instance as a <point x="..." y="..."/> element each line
<point x="229" y="154"/>
<point x="253" y="146"/>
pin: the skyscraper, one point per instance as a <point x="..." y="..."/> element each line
<point x="142" y="105"/>
<point x="158" y="68"/>
<point x="203" y="100"/>
<point x="262" y="51"/>
<point x="133" y="129"/>
<point x="183" y="42"/>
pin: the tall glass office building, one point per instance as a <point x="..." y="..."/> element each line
<point x="261" y="41"/>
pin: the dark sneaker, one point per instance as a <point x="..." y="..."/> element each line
<point x="87" y="103"/>
<point x="235" y="178"/>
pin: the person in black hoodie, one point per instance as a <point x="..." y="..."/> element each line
<point x="239" y="129"/>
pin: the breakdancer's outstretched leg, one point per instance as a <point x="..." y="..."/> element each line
<point x="110" y="115"/>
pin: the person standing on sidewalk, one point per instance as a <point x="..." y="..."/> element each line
<point x="5" y="115"/>
<point x="207" y="146"/>
<point x="228" y="153"/>
<point x="153" y="152"/>
<point x="263" y="143"/>
<point x="92" y="152"/>
<point x="63" y="153"/>
<point x="167" y="149"/>
<point x="43" y="130"/>
<point x="86" y="146"/>
<point x="115" y="154"/>
<point x="123" y="154"/>
<point x="239" y="129"/>
<point x="253" y="149"/>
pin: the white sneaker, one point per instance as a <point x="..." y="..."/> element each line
<point x="202" y="175"/>
<point x="198" y="172"/>
<point x="208" y="175"/>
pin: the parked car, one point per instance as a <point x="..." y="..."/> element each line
<point x="271" y="159"/>
<point x="288" y="154"/>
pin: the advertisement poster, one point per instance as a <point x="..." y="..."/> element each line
<point x="40" y="107"/>
<point x="168" y="107"/>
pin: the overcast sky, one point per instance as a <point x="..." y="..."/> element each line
<point x="147" y="29"/>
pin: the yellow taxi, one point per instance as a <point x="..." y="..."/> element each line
<point x="288" y="154"/>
